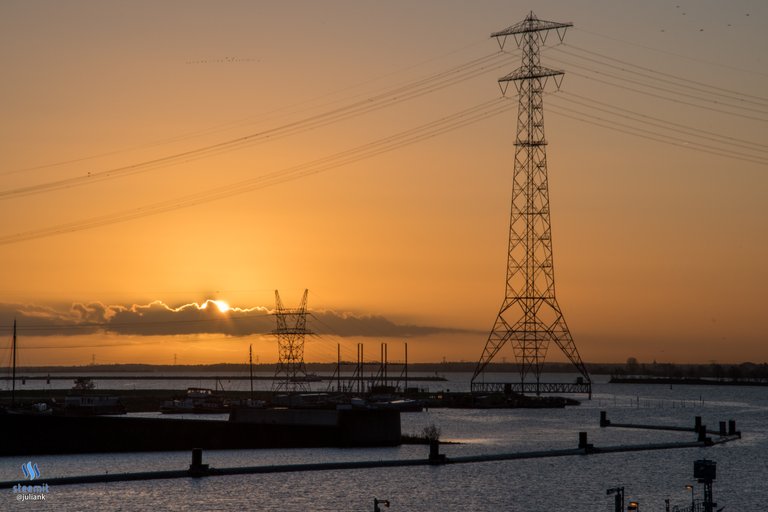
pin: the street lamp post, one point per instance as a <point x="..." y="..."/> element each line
<point x="693" y="502"/>
<point x="618" y="499"/>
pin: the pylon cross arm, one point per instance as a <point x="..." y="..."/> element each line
<point x="531" y="24"/>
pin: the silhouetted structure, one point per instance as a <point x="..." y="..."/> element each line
<point x="291" y="373"/>
<point x="530" y="316"/>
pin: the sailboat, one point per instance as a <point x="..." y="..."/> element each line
<point x="252" y="402"/>
<point x="249" y="403"/>
<point x="39" y="408"/>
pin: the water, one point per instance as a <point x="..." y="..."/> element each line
<point x="205" y="379"/>
<point x="538" y="485"/>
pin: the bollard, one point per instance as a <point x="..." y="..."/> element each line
<point x="435" y="457"/>
<point x="697" y="425"/>
<point x="197" y="456"/>
<point x="583" y="444"/>
<point x="702" y="432"/>
<point x="604" y="421"/>
<point x="722" y="428"/>
<point x="731" y="427"/>
<point x="197" y="468"/>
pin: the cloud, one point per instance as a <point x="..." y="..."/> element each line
<point x="158" y="318"/>
<point x="345" y="324"/>
<point x="34" y="320"/>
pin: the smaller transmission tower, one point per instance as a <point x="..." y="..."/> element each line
<point x="291" y="373"/>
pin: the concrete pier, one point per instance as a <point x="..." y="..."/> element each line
<point x="198" y="469"/>
<point x="698" y="427"/>
<point x="258" y="428"/>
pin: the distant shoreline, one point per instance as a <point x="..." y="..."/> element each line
<point x="652" y="372"/>
<point x="685" y="381"/>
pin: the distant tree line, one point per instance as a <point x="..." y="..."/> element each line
<point x="743" y="372"/>
<point x="632" y="368"/>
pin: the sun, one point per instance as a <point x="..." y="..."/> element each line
<point x="221" y="305"/>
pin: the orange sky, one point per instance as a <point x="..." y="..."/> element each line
<point x="660" y="246"/>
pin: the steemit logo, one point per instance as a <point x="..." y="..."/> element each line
<point x="37" y="492"/>
<point x="30" y="471"/>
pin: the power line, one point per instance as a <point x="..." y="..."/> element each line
<point x="670" y="99"/>
<point x="429" y="130"/>
<point x="666" y="52"/>
<point x="414" y="89"/>
<point x="674" y="93"/>
<point x="627" y="114"/>
<point x="650" y="135"/>
<point x="251" y="119"/>
<point x="669" y="78"/>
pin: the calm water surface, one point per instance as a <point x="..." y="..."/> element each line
<point x="541" y="485"/>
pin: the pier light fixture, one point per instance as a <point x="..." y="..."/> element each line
<point x="618" y="498"/>
<point x="690" y="488"/>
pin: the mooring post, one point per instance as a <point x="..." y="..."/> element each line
<point x="435" y="457"/>
<point x="697" y="424"/>
<point x="702" y="433"/>
<point x="732" y="428"/>
<point x="604" y="421"/>
<point x="197" y="456"/>
<point x="197" y="468"/>
<point x="722" y="428"/>
<point x="583" y="444"/>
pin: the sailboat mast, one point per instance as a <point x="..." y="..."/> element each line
<point x="13" y="377"/>
<point x="406" y="367"/>
<point x="338" y="367"/>
<point x="250" y="364"/>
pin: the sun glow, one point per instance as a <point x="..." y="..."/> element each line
<point x="221" y="305"/>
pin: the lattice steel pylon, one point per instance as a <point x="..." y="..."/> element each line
<point x="530" y="317"/>
<point x="291" y="373"/>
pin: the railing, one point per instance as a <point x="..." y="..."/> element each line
<point x="532" y="387"/>
<point x="696" y="507"/>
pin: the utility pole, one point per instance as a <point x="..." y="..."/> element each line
<point x="530" y="317"/>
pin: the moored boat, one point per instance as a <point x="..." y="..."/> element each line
<point x="196" y="401"/>
<point x="90" y="405"/>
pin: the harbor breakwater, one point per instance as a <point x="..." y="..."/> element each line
<point x="268" y="428"/>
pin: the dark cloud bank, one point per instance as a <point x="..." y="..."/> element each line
<point x="158" y="318"/>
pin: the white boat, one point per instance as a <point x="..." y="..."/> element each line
<point x="196" y="401"/>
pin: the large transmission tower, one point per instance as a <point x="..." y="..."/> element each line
<point x="530" y="317"/>
<point x="291" y="373"/>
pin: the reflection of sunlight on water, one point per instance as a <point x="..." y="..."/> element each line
<point x="577" y="484"/>
<point x="470" y="440"/>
